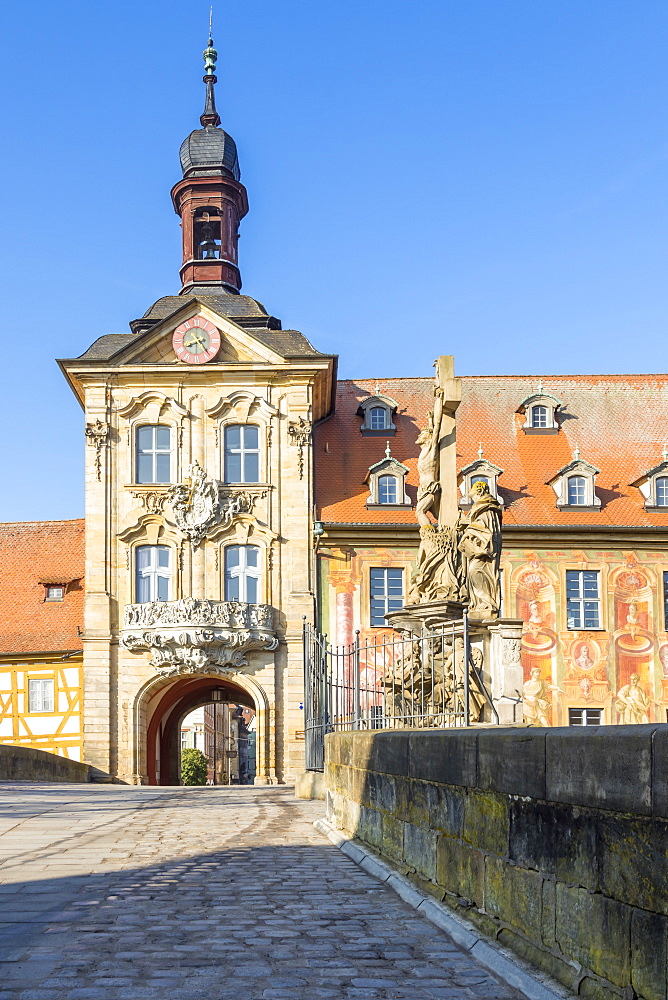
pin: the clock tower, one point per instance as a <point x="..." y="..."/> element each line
<point x="199" y="498"/>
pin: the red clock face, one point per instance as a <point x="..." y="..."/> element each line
<point x="196" y="341"/>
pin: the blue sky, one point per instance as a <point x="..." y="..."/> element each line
<point x="480" y="177"/>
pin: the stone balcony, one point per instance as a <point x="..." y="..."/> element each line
<point x="196" y="635"/>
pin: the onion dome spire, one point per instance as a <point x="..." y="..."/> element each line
<point x="210" y="115"/>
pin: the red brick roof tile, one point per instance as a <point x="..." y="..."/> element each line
<point x="619" y="423"/>
<point x="32" y="554"/>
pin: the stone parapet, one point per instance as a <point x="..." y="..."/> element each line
<point x="26" y="764"/>
<point x="553" y="841"/>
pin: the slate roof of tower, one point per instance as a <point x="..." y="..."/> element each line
<point x="208" y="151"/>
<point x="619" y="423"/>
<point x="33" y="554"/>
<point x="241" y="308"/>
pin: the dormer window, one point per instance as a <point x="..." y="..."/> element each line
<point x="387" y="483"/>
<point x="480" y="471"/>
<point x="575" y="485"/>
<point x="654" y="485"/>
<point x="377" y="413"/>
<point x="540" y="412"/>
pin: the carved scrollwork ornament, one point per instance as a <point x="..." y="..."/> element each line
<point x="300" y="435"/>
<point x="151" y="500"/>
<point x="97" y="434"/>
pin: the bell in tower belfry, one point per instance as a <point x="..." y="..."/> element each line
<point x="211" y="200"/>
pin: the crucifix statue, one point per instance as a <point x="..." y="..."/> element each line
<point x="458" y="559"/>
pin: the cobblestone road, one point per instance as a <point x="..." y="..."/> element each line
<point x="117" y="893"/>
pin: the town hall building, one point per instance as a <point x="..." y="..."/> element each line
<point x="234" y="489"/>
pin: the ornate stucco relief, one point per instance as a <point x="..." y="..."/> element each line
<point x="97" y="434"/>
<point x="300" y="435"/>
<point x="201" y="503"/>
<point x="198" y="636"/>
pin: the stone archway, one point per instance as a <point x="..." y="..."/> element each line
<point x="162" y="703"/>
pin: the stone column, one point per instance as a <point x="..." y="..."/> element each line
<point x="505" y="667"/>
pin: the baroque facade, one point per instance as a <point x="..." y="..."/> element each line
<point x="234" y="489"/>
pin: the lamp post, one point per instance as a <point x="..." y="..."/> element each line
<point x="217" y="695"/>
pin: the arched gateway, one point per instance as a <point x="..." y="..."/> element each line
<point x="163" y="702"/>
<point x="199" y="496"/>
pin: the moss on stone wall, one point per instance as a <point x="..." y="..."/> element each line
<point x="577" y="889"/>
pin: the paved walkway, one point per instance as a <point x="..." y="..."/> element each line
<point x="117" y="893"/>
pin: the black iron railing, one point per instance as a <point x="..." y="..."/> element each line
<point x="433" y="679"/>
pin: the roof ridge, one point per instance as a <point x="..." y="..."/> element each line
<point x="68" y="520"/>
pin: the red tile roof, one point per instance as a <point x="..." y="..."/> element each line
<point x="619" y="423"/>
<point x="32" y="554"/>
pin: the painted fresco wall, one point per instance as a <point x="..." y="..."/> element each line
<point x="58" y="732"/>
<point x="577" y="670"/>
<point x="593" y="668"/>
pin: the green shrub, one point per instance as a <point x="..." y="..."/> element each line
<point x="194" y="767"/>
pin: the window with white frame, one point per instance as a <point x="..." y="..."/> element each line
<point x="480" y="479"/>
<point x="386" y="587"/>
<point x="377" y="412"/>
<point x="575" y="485"/>
<point x="387" y="483"/>
<point x="242" y="453"/>
<point x="577" y="491"/>
<point x="661" y="487"/>
<point x="153" y="574"/>
<point x="540" y="412"/>
<point x="539" y="416"/>
<point x="387" y="489"/>
<point x="41" y="694"/>
<point x="378" y="418"/>
<point x="653" y="485"/>
<point x="242" y="573"/>
<point x="585" y="716"/>
<point x="55" y="592"/>
<point x="583" y="600"/>
<point x="153" y="453"/>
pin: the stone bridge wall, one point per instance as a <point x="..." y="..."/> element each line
<point x="554" y="841"/>
<point x="25" y="764"/>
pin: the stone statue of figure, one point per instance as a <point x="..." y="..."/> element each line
<point x="429" y="490"/>
<point x="480" y="544"/>
<point x="438" y="571"/>
<point x="536" y="699"/>
<point x="632" y="703"/>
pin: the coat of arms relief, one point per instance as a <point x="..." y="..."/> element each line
<point x="200" y="503"/>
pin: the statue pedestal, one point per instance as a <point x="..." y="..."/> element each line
<point x="432" y="614"/>
<point x="506" y="673"/>
<point x="498" y="639"/>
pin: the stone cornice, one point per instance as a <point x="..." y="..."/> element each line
<point x="539" y="535"/>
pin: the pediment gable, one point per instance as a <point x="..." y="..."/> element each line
<point x="237" y="345"/>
